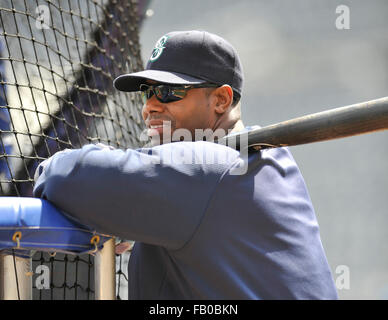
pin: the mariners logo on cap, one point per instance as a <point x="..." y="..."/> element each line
<point x="159" y="47"/>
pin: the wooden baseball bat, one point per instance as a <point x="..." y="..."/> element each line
<point x="335" y="123"/>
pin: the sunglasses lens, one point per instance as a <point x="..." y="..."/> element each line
<point x="146" y="93"/>
<point x="168" y="94"/>
<point x="164" y="93"/>
<point x="178" y="94"/>
<point x="161" y="93"/>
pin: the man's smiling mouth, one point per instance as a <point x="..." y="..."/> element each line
<point x="157" y="127"/>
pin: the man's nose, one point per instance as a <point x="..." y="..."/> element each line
<point x="152" y="105"/>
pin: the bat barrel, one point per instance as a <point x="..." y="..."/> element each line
<point x="331" y="124"/>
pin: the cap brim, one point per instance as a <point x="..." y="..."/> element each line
<point x="132" y="81"/>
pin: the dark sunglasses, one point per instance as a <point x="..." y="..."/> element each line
<point x="167" y="93"/>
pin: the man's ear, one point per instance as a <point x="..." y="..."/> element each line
<point x="223" y="98"/>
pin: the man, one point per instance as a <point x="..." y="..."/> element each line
<point x="202" y="229"/>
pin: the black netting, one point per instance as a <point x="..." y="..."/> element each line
<point x="58" y="61"/>
<point x="71" y="277"/>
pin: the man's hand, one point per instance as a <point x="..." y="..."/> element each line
<point x="123" y="247"/>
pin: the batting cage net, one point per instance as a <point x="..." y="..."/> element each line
<point x="58" y="61"/>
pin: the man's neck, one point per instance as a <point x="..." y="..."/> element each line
<point x="225" y="128"/>
<point x="230" y="126"/>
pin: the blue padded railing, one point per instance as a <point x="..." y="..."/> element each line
<point x="35" y="224"/>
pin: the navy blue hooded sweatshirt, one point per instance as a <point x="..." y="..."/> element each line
<point x="202" y="229"/>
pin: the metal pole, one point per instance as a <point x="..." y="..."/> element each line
<point x="105" y="272"/>
<point x="10" y="289"/>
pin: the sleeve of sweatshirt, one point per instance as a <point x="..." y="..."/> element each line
<point x="156" y="196"/>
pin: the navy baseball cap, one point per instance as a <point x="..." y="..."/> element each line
<point x="185" y="58"/>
